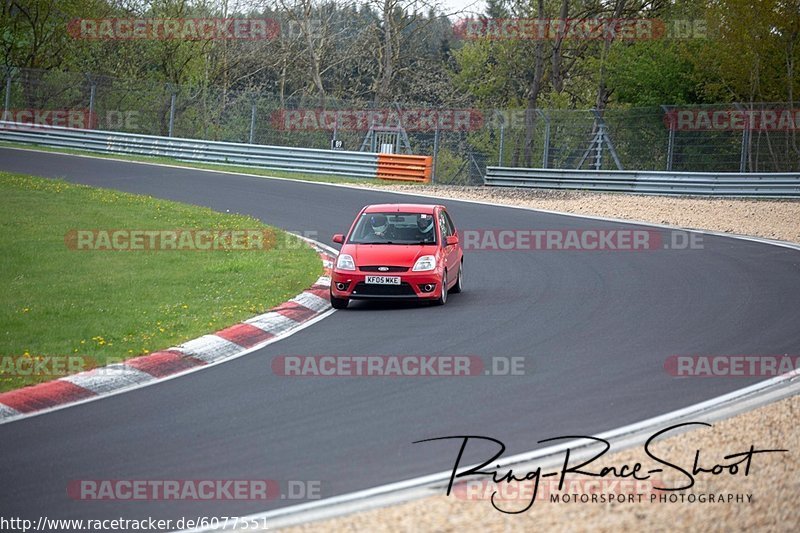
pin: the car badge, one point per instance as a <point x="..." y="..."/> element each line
<point x="383" y="269"/>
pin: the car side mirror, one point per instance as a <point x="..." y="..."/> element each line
<point x="451" y="240"/>
<point x="338" y="238"/>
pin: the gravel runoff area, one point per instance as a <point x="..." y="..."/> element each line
<point x="773" y="484"/>
<point x="772" y="219"/>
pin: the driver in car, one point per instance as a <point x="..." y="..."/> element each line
<point x="425" y="227"/>
<point x="379" y="226"/>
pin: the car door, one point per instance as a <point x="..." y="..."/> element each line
<point x="458" y="251"/>
<point x="449" y="252"/>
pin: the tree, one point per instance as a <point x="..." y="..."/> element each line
<point x="34" y="33"/>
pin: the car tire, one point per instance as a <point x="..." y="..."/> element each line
<point x="339" y="303"/>
<point x="459" y="286"/>
<point x="441" y="300"/>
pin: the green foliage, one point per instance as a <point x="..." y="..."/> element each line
<point x="755" y="53"/>
<point x="652" y="73"/>
<point x="336" y="55"/>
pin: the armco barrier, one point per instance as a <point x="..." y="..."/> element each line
<point x="405" y="167"/>
<point x="287" y="159"/>
<point x="767" y="185"/>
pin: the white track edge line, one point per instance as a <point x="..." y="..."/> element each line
<point x="721" y="407"/>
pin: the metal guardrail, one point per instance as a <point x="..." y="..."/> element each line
<point x="768" y="185"/>
<point x="287" y="159"/>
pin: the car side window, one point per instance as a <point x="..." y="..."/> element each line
<point x="443" y="227"/>
<point x="451" y="228"/>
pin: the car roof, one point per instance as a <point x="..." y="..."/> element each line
<point x="401" y="208"/>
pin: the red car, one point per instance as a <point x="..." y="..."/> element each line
<point x="398" y="251"/>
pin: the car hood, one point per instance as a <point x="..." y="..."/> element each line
<point x="404" y="255"/>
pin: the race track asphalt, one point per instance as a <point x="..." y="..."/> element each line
<point x="594" y="327"/>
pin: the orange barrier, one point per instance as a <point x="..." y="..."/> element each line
<point x="405" y="167"/>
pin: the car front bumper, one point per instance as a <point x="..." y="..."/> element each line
<point x="351" y="285"/>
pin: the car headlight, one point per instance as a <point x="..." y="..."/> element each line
<point x="345" y="262"/>
<point x="426" y="262"/>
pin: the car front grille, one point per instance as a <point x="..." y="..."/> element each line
<point x="364" y="289"/>
<point x="389" y="268"/>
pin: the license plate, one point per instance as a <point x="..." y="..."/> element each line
<point x="383" y="280"/>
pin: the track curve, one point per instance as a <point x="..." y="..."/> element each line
<point x="595" y="329"/>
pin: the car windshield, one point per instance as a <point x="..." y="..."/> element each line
<point x="394" y="228"/>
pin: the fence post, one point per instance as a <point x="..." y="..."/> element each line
<point x="745" y="143"/>
<point x="252" y="122"/>
<point x="502" y="145"/>
<point x="745" y="146"/>
<point x="171" y="113"/>
<point x="670" y="138"/>
<point x="435" y="153"/>
<point x="670" y="147"/>
<point x="7" y="99"/>
<point x="598" y="158"/>
<point x="92" y="92"/>
<point x="546" y="149"/>
<point x="335" y="132"/>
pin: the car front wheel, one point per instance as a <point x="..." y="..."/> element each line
<point x="459" y="286"/>
<point x="441" y="300"/>
<point x="338" y="303"/>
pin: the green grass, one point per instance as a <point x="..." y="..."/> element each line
<point x="209" y="166"/>
<point x="109" y="305"/>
